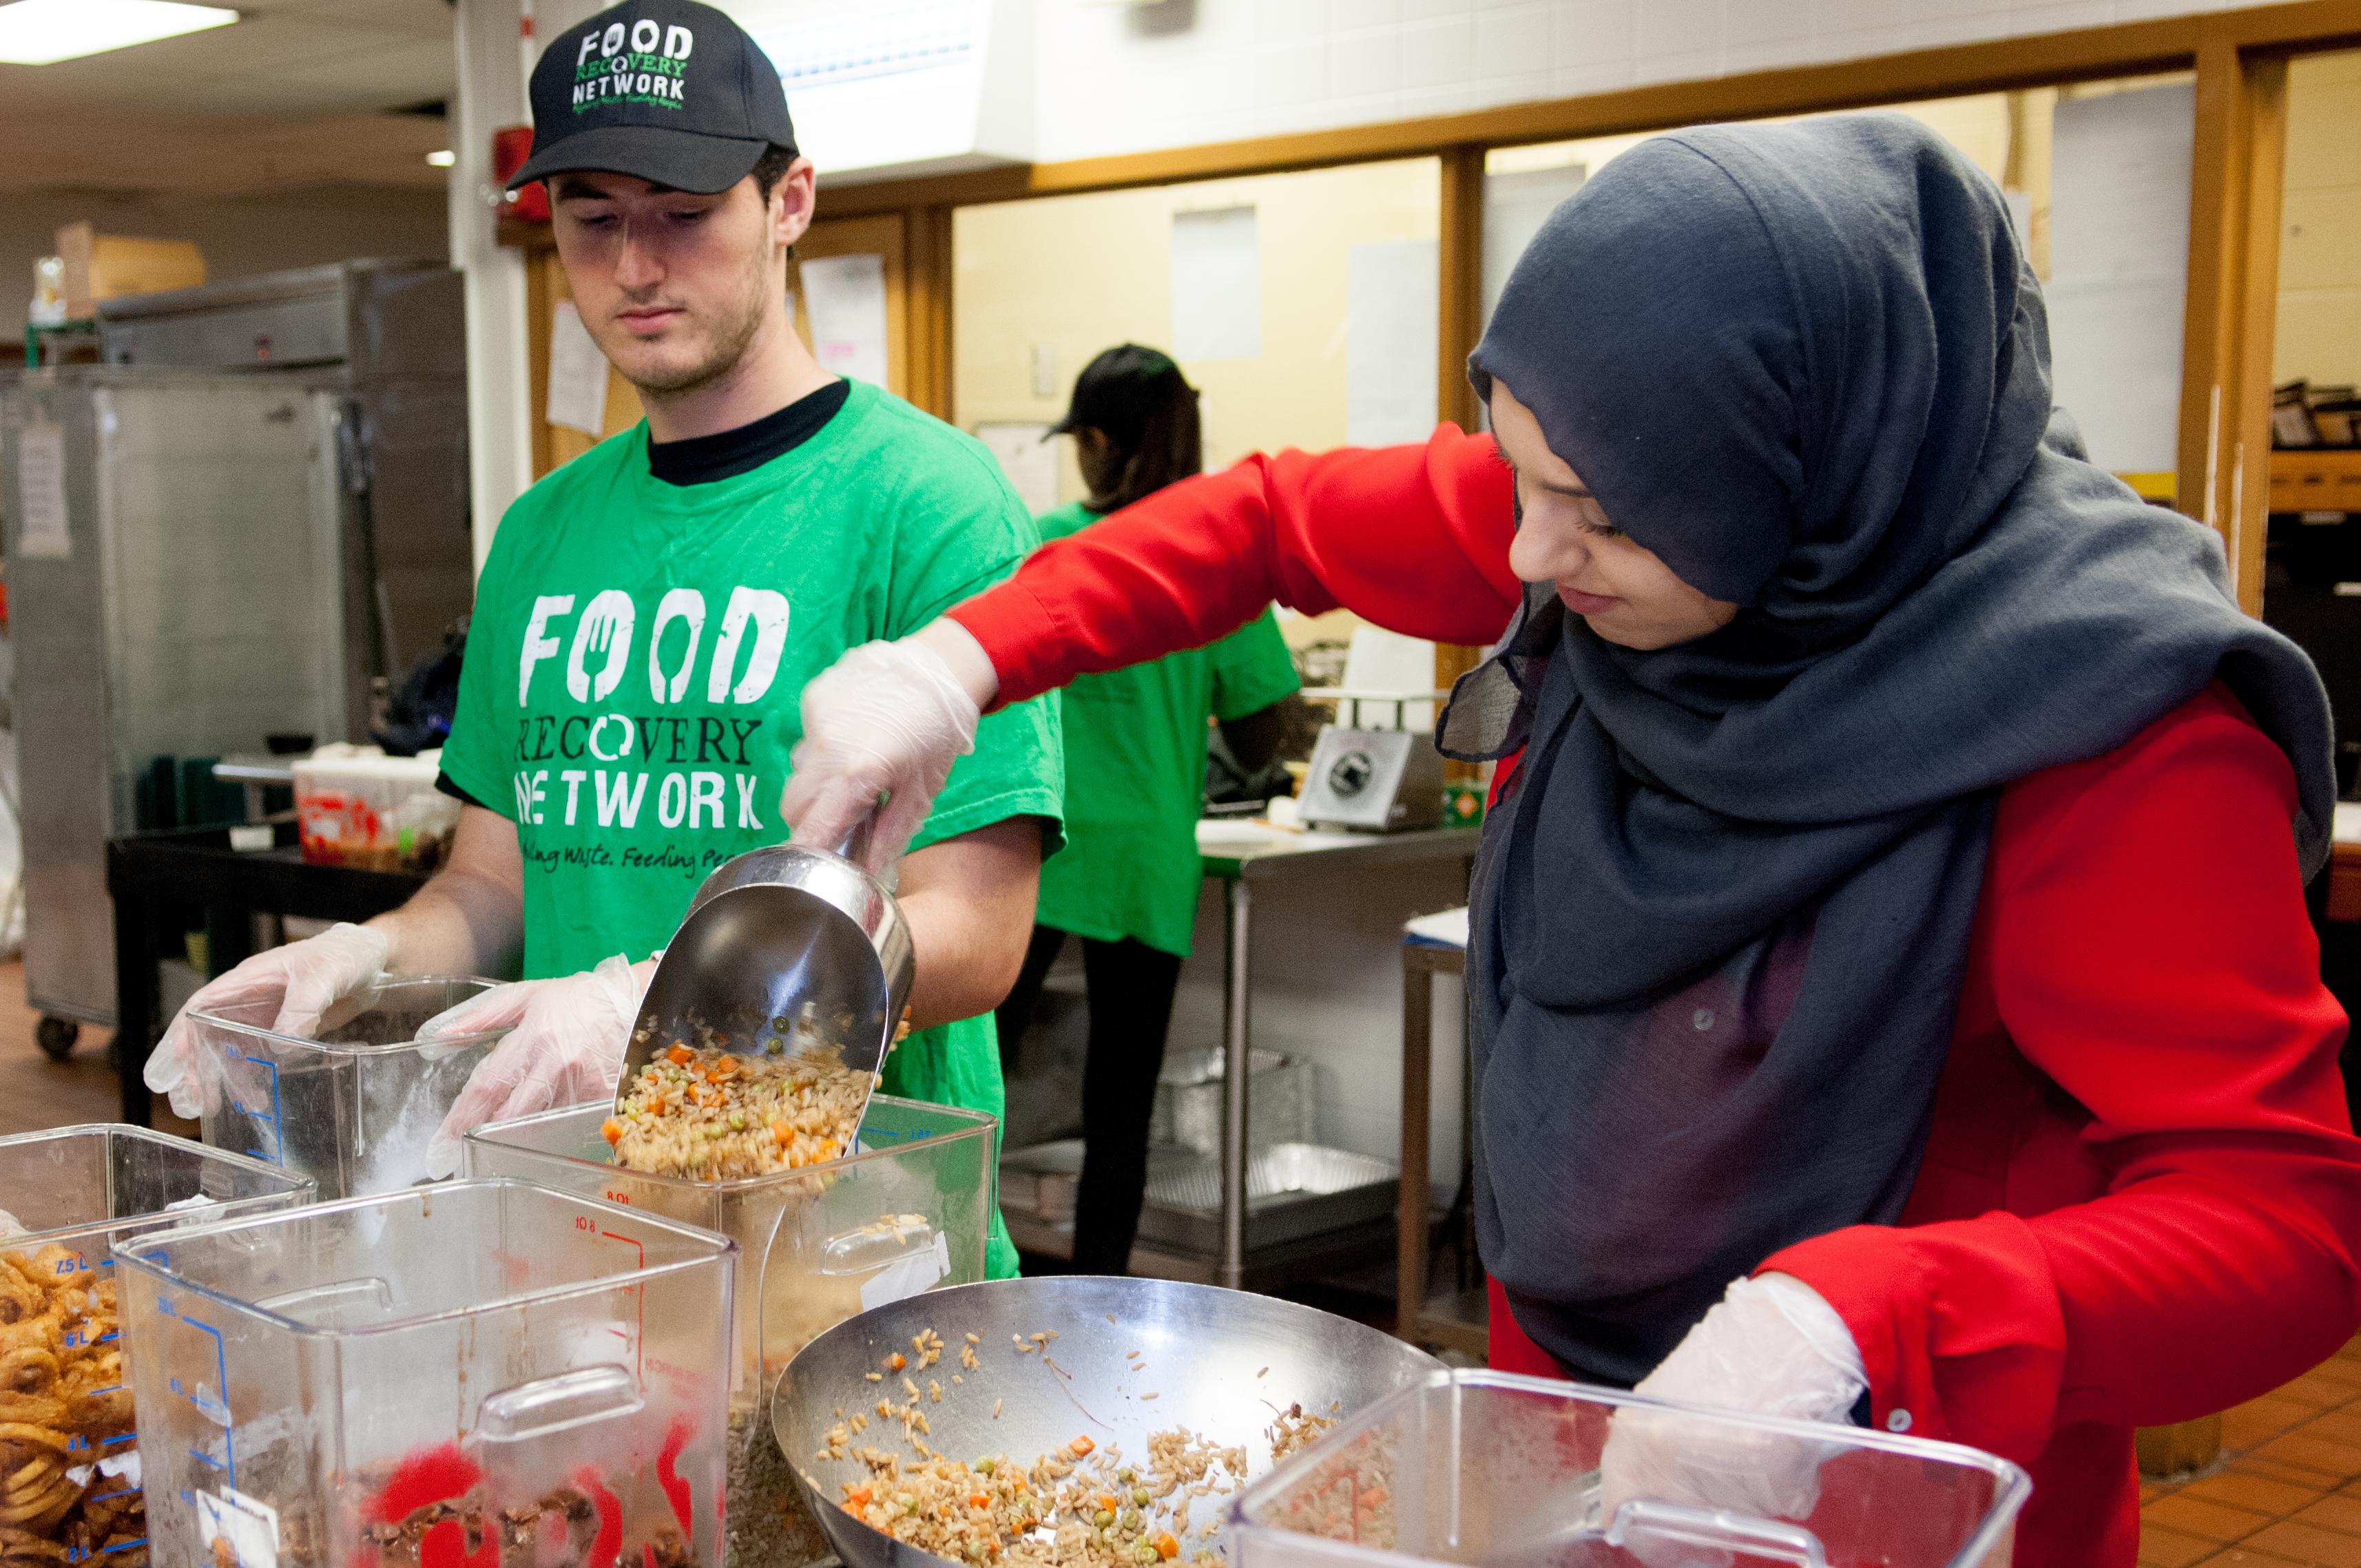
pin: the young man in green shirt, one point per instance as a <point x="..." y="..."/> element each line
<point x="650" y="612"/>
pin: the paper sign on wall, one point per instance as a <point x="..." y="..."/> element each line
<point x="846" y="298"/>
<point x="43" y="532"/>
<point x="1028" y="458"/>
<point x="578" y="373"/>
<point x="1392" y="323"/>
<point x="1216" y="285"/>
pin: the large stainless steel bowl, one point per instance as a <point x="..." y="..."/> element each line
<point x="1221" y="1362"/>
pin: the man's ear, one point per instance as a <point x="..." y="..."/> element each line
<point x="793" y="202"/>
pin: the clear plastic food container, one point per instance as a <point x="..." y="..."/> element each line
<point x="354" y="1109"/>
<point x="463" y="1375"/>
<point x="69" y="1474"/>
<point x="357" y="806"/>
<point x="1492" y="1469"/>
<point x="909" y="1211"/>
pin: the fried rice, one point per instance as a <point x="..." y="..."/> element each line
<point x="708" y="1113"/>
<point x="1081" y="1506"/>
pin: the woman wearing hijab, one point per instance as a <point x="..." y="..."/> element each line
<point x="1892" y="899"/>
<point x="1126" y="882"/>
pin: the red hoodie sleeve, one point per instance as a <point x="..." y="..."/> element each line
<point x="2150" y="955"/>
<point x="1415" y="539"/>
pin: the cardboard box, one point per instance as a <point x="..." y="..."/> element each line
<point x="112" y="266"/>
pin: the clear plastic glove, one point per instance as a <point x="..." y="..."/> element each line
<point x="888" y="719"/>
<point x="285" y="988"/>
<point x="565" y="1046"/>
<point x="1772" y="1346"/>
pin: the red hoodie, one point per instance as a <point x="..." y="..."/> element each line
<point x="2141" y="1194"/>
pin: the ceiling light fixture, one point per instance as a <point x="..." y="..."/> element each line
<point x="442" y="160"/>
<point x="38" y="32"/>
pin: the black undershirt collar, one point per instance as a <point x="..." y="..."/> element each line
<point x="703" y="459"/>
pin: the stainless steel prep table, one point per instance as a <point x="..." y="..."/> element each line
<point x="1243" y="856"/>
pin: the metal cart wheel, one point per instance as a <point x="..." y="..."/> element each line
<point x="56" y="1036"/>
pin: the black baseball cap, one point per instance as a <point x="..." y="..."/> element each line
<point x="668" y="90"/>
<point x="1110" y="393"/>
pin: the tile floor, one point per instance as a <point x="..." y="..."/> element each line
<point x="35" y="1092"/>
<point x="2287" y="1493"/>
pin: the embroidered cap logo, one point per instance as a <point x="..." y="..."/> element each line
<point x="652" y="69"/>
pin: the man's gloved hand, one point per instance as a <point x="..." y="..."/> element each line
<point x="888" y="719"/>
<point x="1772" y="1346"/>
<point x="565" y="1046"/>
<point x="285" y="988"/>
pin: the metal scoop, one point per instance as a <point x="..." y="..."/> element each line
<point x="790" y="944"/>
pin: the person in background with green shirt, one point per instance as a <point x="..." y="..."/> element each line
<point x="1126" y="884"/>
<point x="651" y="610"/>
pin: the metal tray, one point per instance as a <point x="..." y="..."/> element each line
<point x="1294" y="1190"/>
<point x="1041" y="1181"/>
<point x="1188" y="1112"/>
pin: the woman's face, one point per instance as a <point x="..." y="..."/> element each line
<point x="1601" y="574"/>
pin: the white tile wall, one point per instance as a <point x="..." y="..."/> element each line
<point x="1200" y="70"/>
<point x="1328" y="989"/>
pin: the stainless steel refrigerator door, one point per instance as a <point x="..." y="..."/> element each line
<point x="65" y="804"/>
<point x="197" y="612"/>
<point x="395" y="332"/>
<point x="408" y="376"/>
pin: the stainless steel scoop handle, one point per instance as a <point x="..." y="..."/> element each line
<point x="854" y="845"/>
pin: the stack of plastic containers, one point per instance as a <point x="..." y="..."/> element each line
<point x="465" y="1375"/>
<point x="354" y="1109"/>
<point x="1491" y="1469"/>
<point x="909" y="1211"/>
<point x="70" y="1470"/>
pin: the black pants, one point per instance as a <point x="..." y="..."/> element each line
<point x="1130" y="987"/>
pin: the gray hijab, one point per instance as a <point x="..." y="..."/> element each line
<point x="1722" y="918"/>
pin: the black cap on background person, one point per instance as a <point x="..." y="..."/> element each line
<point x="667" y="91"/>
<point x="1113" y="389"/>
<point x="1135" y="423"/>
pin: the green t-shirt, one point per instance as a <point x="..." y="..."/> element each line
<point x="1135" y="776"/>
<point x="630" y="690"/>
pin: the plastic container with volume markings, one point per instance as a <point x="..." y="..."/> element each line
<point x="909" y="1210"/>
<point x="354" y="1109"/>
<point x="466" y="1375"/>
<point x="1493" y="1470"/>
<point x="70" y="1464"/>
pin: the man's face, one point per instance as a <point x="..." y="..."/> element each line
<point x="674" y="286"/>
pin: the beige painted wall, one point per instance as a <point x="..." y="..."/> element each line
<point x="2320" y="248"/>
<point x="1084" y="273"/>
